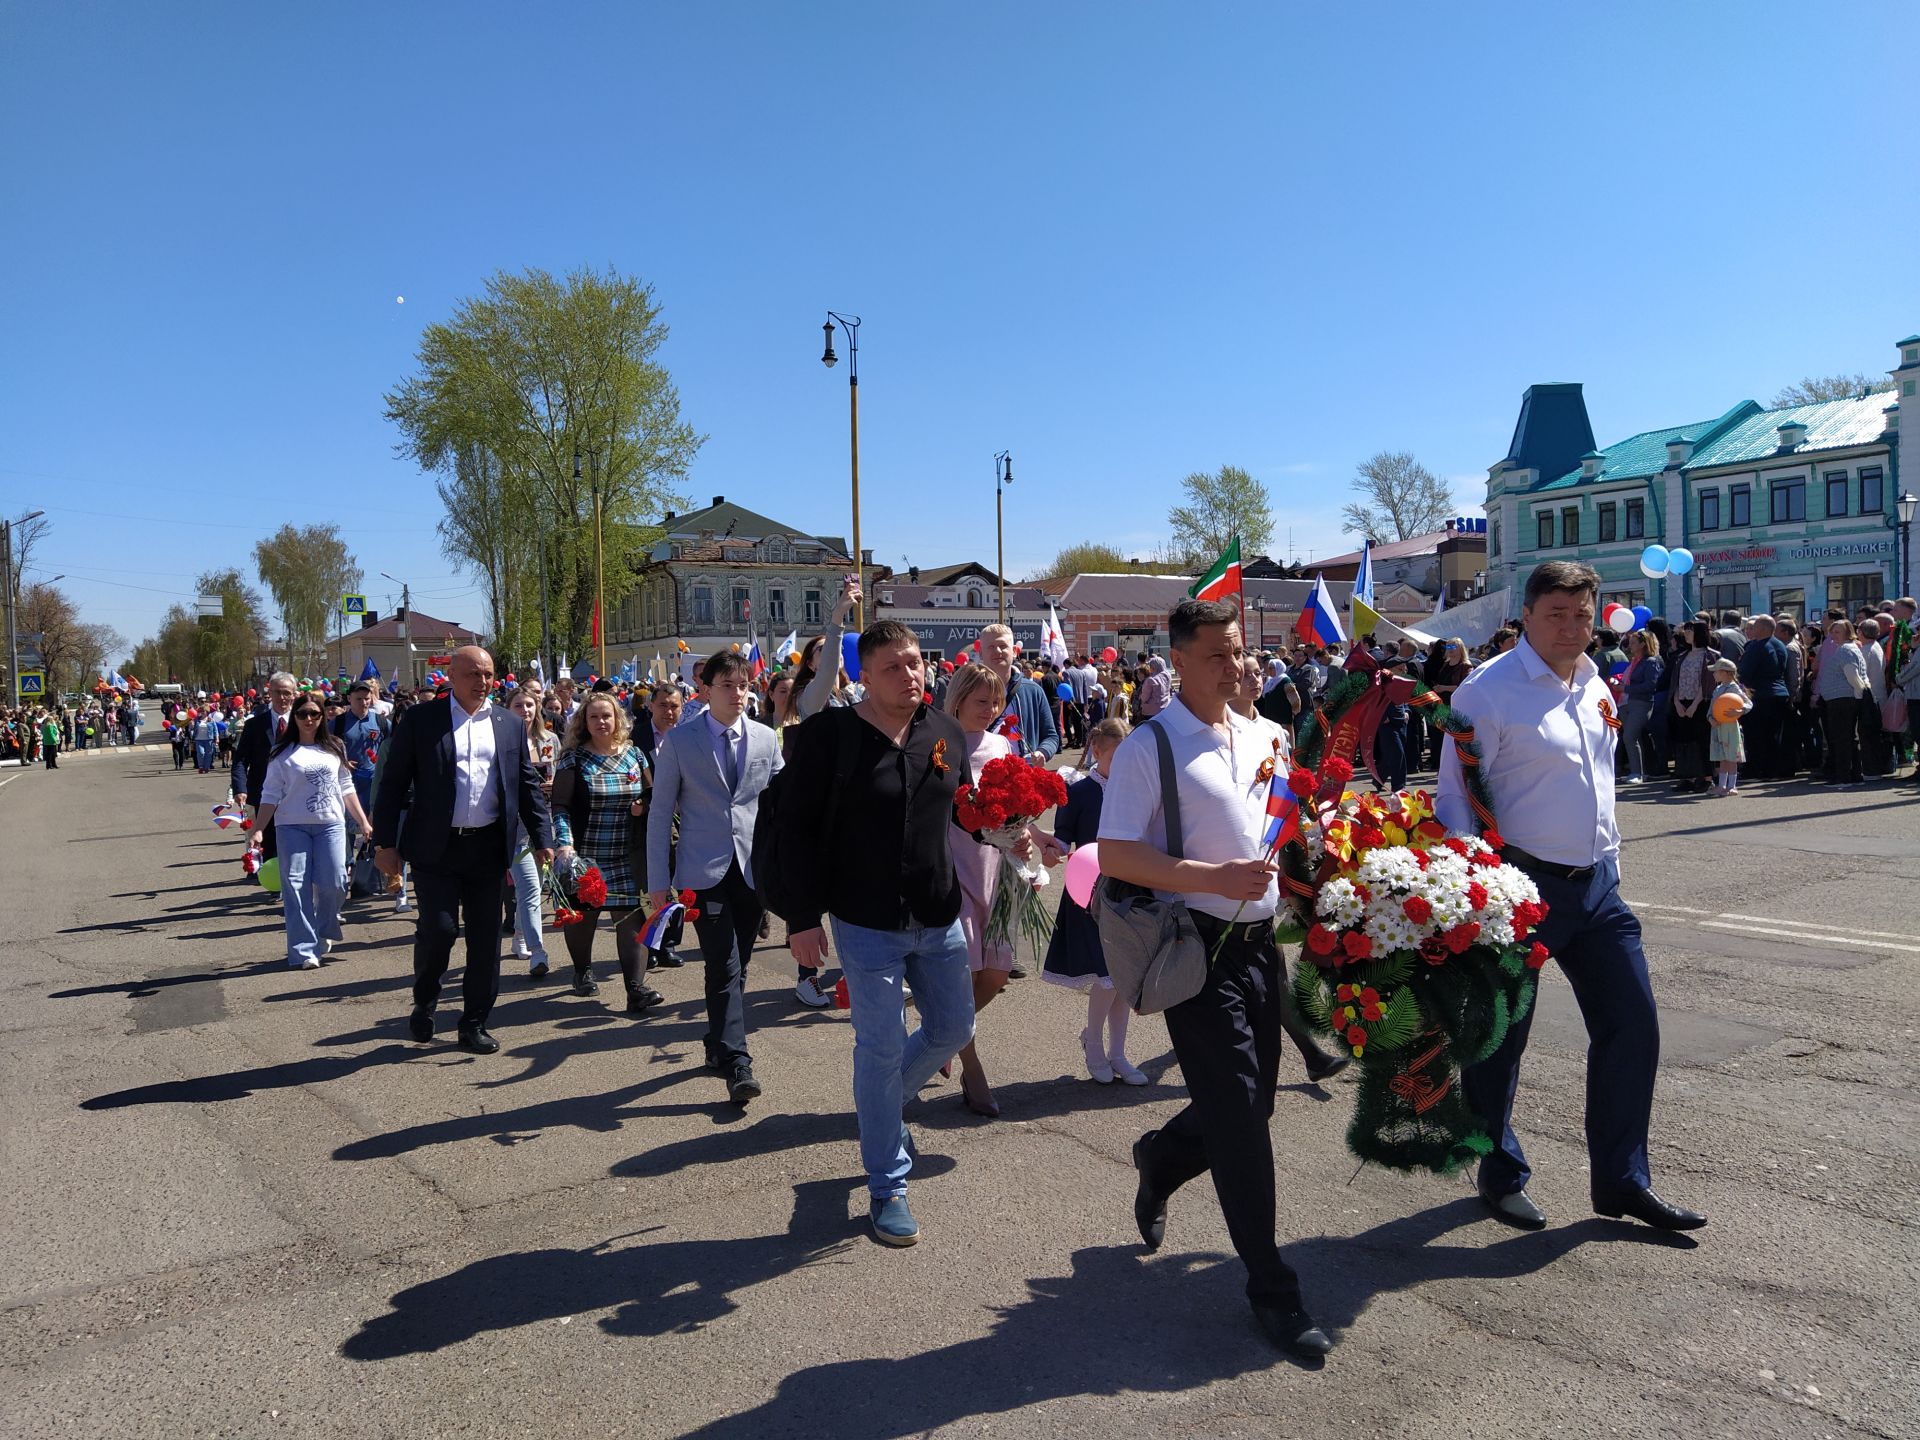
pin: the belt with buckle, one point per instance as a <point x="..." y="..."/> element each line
<point x="1245" y="932"/>
<point x="1515" y="855"/>
<point x="474" y="829"/>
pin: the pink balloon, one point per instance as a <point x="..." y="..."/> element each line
<point x="1083" y="869"/>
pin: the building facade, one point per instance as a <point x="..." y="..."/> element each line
<point x="1789" y="511"/>
<point x="426" y="646"/>
<point x="1453" y="558"/>
<point x="724" y="576"/>
<point x="948" y="606"/>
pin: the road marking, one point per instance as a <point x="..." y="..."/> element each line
<point x="1682" y="909"/>
<point x="1803" y="925"/>
<point x="8" y="781"/>
<point x="1823" y="937"/>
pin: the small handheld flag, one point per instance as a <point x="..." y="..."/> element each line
<point x="653" y="935"/>
<point x="1283" y="813"/>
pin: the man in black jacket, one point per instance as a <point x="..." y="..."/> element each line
<point x="459" y="768"/>
<point x="263" y="730"/>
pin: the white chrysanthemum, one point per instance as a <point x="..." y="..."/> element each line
<point x="1339" y="902"/>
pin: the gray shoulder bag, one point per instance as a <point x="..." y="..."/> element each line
<point x="1153" y="950"/>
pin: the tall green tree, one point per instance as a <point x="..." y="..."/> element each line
<point x="1094" y="558"/>
<point x="306" y="569"/>
<point x="171" y="654"/>
<point x="1218" y="507"/>
<point x="545" y="399"/>
<point x="228" y="646"/>
<point x="1399" y="498"/>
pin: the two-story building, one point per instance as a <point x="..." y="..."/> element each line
<point x="948" y="606"/>
<point x="1452" y="558"/>
<point x="1787" y="510"/>
<point x="725" y="575"/>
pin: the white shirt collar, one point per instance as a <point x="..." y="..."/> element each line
<point x="1530" y="660"/>
<point x="463" y="714"/>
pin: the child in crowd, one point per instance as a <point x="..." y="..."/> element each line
<point x="1727" y="747"/>
<point x="1074" y="957"/>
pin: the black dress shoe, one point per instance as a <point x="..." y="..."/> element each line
<point x="741" y="1086"/>
<point x="1516" y="1209"/>
<point x="1645" y="1206"/>
<point x="477" y="1039"/>
<point x="1149" y="1205"/>
<point x="1292" y="1329"/>
<point x="1327" y="1067"/>
<point x="584" y="983"/>
<point x="669" y="959"/>
<point x="643" y="998"/>
<point x="420" y="1025"/>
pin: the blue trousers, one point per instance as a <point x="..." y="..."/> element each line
<point x="313" y="866"/>
<point x="1595" y="939"/>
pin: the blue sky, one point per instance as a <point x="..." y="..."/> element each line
<point x="1123" y="241"/>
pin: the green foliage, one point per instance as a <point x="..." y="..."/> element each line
<point x="1219" y="507"/>
<point x="539" y="403"/>
<point x="1310" y="995"/>
<point x="1399" y="1022"/>
<point x="307" y="569"/>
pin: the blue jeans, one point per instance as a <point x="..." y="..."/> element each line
<point x="1632" y="732"/>
<point x="889" y="1065"/>
<point x="1595" y="939"/>
<point x="526" y="908"/>
<point x="203" y="754"/>
<point x="312" y="857"/>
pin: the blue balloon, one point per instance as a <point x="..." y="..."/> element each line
<point x="1655" y="561"/>
<point x="1680" y="561"/>
<point x="1641" y="614"/>
<point x="1064" y="692"/>
<point x="850" y="655"/>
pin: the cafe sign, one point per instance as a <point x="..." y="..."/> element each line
<point x="1736" y="557"/>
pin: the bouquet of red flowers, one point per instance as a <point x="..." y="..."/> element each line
<point x="582" y="883"/>
<point x="1009" y="796"/>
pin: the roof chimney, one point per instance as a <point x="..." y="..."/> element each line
<point x="1679" y="451"/>
<point x="1590" y="464"/>
<point x="1791" y="433"/>
<point x="718" y="501"/>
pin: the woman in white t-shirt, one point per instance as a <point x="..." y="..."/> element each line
<point x="308" y="796"/>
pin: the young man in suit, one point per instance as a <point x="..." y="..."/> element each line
<point x="459" y="767"/>
<point x="709" y="773"/>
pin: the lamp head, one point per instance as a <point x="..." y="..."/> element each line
<point x="828" y="358"/>
<point x="1905" y="506"/>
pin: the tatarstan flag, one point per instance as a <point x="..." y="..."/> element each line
<point x="1223" y="578"/>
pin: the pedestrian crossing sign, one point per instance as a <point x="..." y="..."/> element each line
<point x="33" y="682"/>
<point x="353" y="604"/>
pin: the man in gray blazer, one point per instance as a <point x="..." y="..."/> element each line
<point x="709" y="771"/>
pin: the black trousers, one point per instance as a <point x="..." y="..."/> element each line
<point x="1843" y="739"/>
<point x="1227" y="1039"/>
<point x="728" y="924"/>
<point x="465" y="885"/>
<point x="1765" y="724"/>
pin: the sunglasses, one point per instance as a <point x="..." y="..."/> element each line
<point x="306" y="714"/>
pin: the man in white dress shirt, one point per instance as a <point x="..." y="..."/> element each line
<point x="1544" y="721"/>
<point x="1227" y="1037"/>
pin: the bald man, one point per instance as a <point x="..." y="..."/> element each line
<point x="460" y="770"/>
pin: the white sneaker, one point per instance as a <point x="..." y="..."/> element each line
<point x="521" y="950"/>
<point x="809" y="993"/>
<point x="403" y="906"/>
<point x="311" y="963"/>
<point x="324" y="948"/>
<point x="1126" y="1071"/>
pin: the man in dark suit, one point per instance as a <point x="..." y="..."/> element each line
<point x="263" y="730"/>
<point x="459" y="768"/>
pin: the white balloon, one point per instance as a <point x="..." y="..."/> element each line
<point x="399" y="299"/>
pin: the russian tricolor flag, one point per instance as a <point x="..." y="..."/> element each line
<point x="1319" y="622"/>
<point x="654" y="935"/>
<point x="1283" y="813"/>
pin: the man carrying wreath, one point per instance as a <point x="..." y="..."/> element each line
<point x="1543" y="726"/>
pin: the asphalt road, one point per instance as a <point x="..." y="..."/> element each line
<point x="237" y="1203"/>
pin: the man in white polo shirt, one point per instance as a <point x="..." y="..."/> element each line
<point x="1227" y="1037"/>
<point x="1544" y="721"/>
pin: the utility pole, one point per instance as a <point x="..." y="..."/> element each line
<point x="13" y="631"/>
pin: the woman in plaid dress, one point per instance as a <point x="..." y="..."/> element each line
<point x="599" y="790"/>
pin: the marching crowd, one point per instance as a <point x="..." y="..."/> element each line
<point x="32" y="734"/>
<point x="516" y="807"/>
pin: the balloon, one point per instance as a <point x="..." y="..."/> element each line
<point x="1680" y="562"/>
<point x="1064" y="692"/>
<point x="1618" y="619"/>
<point x="1654" y="561"/>
<point x="1641" y="614"/>
<point x="250" y="694"/>
<point x="850" y="655"/>
<point x="1083" y="869"/>
<point x="1109" y="655"/>
<point x="270" y="875"/>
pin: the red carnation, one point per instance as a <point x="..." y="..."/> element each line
<point x="1461" y="937"/>
<point x="1537" y="956"/>
<point x="591" y="888"/>
<point x="246" y="824"/>
<point x="1364" y="892"/>
<point x="1484" y="860"/>
<point x="1301" y="783"/>
<point x="1476" y="895"/>
<point x="1433" y="950"/>
<point x="687" y="897"/>
<point x="1369" y="837"/>
<point x="1371" y="1013"/>
<point x="1356" y="1036"/>
<point x="1420" y="858"/>
<point x="1457" y="846"/>
<point x="1357" y="946"/>
<point x="1321" y="940"/>
<point x="1336" y="769"/>
<point x="693" y="912"/>
<point x="1492" y="837"/>
<point x="1430" y="830"/>
<point x="1417" y="908"/>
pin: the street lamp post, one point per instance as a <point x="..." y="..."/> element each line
<point x="1002" y="477"/>
<point x="1903" y="509"/>
<point x="1259" y="607"/>
<point x="13" y="632"/>
<point x="406" y="618"/>
<point x="599" y="555"/>
<point x="851" y="325"/>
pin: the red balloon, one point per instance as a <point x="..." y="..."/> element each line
<point x="1109" y="655"/>
<point x="250" y="694"/>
